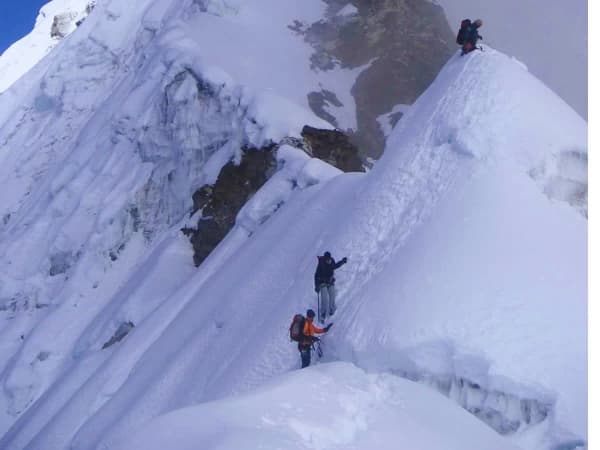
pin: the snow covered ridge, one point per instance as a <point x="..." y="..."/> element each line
<point x="452" y="280"/>
<point x="479" y="264"/>
<point x="461" y="266"/>
<point x="56" y="20"/>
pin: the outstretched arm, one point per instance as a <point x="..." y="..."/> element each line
<point x="340" y="263"/>
<point x="311" y="328"/>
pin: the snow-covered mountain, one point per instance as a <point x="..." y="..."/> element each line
<point x="361" y="39"/>
<point x="466" y="245"/>
<point x="55" y="21"/>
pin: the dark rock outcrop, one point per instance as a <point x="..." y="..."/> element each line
<point x="62" y="24"/>
<point x="220" y="204"/>
<point x="120" y="333"/>
<point x="318" y="102"/>
<point x="405" y="43"/>
<point x="333" y="147"/>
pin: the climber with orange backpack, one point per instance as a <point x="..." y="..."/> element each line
<point x="303" y="331"/>
<point x="468" y="35"/>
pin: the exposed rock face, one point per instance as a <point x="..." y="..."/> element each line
<point x="219" y="204"/>
<point x="333" y="147"/>
<point x="405" y="43"/>
<point x="318" y="102"/>
<point x="64" y="24"/>
<point x="120" y="333"/>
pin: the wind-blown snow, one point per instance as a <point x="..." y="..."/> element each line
<point x="466" y="242"/>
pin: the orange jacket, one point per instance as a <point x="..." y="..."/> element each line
<point x="310" y="329"/>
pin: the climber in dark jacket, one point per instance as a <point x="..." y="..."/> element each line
<point x="325" y="284"/>
<point x="470" y="36"/>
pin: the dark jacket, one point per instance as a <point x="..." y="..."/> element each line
<point x="472" y="34"/>
<point x="324" y="272"/>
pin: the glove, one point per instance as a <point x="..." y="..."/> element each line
<point x="328" y="327"/>
<point x="344" y="260"/>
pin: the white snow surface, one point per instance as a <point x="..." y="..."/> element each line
<point x="348" y="10"/>
<point x="466" y="243"/>
<point x="332" y="405"/>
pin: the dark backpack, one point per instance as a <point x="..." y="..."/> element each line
<point x="297" y="328"/>
<point x="462" y="33"/>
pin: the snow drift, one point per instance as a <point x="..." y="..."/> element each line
<point x="331" y="406"/>
<point x="466" y="242"/>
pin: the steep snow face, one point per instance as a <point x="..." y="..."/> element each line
<point x="56" y="20"/>
<point x="467" y="242"/>
<point x="475" y="274"/>
<point x="102" y="146"/>
<point x="464" y="273"/>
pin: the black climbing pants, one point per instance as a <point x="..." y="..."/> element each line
<point x="305" y="357"/>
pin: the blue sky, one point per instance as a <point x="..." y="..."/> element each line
<point x="16" y="19"/>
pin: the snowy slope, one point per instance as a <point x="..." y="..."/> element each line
<point x="466" y="242"/>
<point x="329" y="406"/>
<point x="56" y="20"/>
<point x="463" y="273"/>
<point x="492" y="288"/>
<point x="90" y="182"/>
